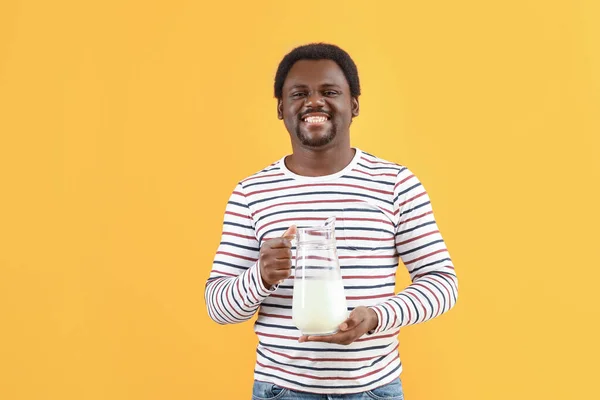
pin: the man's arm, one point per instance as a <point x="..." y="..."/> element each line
<point x="434" y="288"/>
<point x="235" y="288"/>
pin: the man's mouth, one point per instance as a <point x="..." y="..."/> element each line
<point x="315" y="118"/>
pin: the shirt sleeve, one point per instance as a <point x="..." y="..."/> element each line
<point x="434" y="287"/>
<point x="234" y="289"/>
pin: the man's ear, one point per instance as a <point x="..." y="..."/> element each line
<point x="355" y="107"/>
<point x="279" y="109"/>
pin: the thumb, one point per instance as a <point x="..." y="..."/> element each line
<point x="354" y="319"/>
<point x="291" y="231"/>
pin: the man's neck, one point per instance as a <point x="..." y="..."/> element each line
<point x="310" y="162"/>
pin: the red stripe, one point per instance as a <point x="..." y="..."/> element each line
<point x="403" y="180"/>
<point x="329" y="359"/>
<point x="329" y="377"/>
<point x="274" y="315"/>
<point x="442" y="283"/>
<point x="408" y="293"/>
<point x="380" y="316"/>
<point x="223" y="273"/>
<point x="217" y="303"/>
<point x="364" y="238"/>
<point x="236" y="256"/>
<point x="237" y="214"/>
<point x="425" y="256"/>
<point x="437" y="300"/>
<point x="369" y="276"/>
<point x="416" y="217"/>
<point x="365" y="257"/>
<point x="280" y="296"/>
<point x="323" y="219"/>
<point x="416" y="238"/>
<point x="379" y="162"/>
<point x="373" y="175"/>
<point x="409" y="200"/>
<point x="277" y="336"/>
<point x="240" y="236"/>
<point x="321" y="184"/>
<point x="231" y="307"/>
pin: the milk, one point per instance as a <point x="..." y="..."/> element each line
<point x="319" y="305"/>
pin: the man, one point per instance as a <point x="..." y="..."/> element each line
<point x="383" y="215"/>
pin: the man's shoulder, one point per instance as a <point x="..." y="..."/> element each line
<point x="369" y="160"/>
<point x="272" y="170"/>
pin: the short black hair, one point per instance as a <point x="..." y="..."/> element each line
<point x="318" y="51"/>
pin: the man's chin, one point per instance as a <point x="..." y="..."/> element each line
<point x="315" y="141"/>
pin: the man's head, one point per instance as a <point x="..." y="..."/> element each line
<point x="317" y="89"/>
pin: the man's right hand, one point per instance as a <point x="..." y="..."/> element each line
<point x="275" y="260"/>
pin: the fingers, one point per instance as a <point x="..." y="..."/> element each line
<point x="354" y="319"/>
<point x="341" y="337"/>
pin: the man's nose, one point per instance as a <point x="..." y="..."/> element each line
<point x="314" y="99"/>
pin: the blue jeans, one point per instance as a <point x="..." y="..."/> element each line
<point x="268" y="391"/>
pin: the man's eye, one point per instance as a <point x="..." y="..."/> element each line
<point x="330" y="93"/>
<point x="297" y="94"/>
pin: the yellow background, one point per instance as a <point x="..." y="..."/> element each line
<point x="126" y="124"/>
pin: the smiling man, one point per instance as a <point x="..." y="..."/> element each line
<point x="383" y="215"/>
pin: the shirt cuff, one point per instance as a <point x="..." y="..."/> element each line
<point x="261" y="288"/>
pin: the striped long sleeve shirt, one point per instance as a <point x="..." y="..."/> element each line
<point x="383" y="217"/>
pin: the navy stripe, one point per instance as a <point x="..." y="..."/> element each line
<point x="333" y="350"/>
<point x="368" y="180"/>
<point x="295" y="382"/>
<point x="337" y="229"/>
<point x="255" y="249"/>
<point x="396" y="301"/>
<point x="247" y="311"/>
<point x="387" y="316"/>
<point x="265" y="304"/>
<point x="375" y="362"/>
<point x="449" y="283"/>
<point x="235" y="203"/>
<point x="407" y="190"/>
<point x="415" y="228"/>
<point x="217" y="309"/>
<point x="365" y="248"/>
<point x="429" y="264"/>
<point x="238" y="225"/>
<point x="426" y="298"/>
<point x="395" y="169"/>
<point x="339" y="194"/>
<point x="268" y="182"/>
<point x="225" y="304"/>
<point x="414" y="208"/>
<point x="421" y="247"/>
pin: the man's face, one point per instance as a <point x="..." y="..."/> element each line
<point x="316" y="105"/>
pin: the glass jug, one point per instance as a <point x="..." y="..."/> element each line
<point x="319" y="303"/>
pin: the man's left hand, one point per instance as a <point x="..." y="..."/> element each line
<point x="360" y="321"/>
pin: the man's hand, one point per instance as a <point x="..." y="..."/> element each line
<point x="360" y="321"/>
<point x="275" y="259"/>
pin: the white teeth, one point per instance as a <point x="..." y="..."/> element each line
<point x="313" y="120"/>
